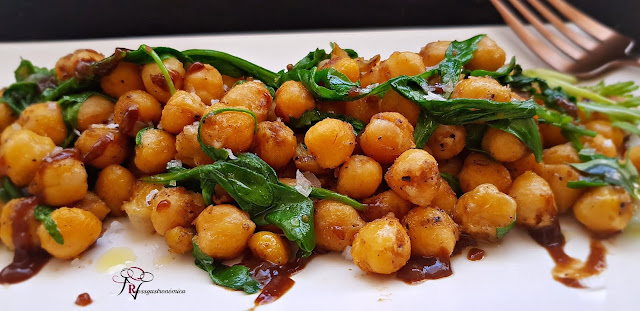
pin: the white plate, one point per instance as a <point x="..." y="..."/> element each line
<point x="515" y="274"/>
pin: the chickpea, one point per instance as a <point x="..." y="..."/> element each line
<point x="560" y="154"/>
<point x="95" y="110"/>
<point x="136" y="110"/>
<point x="451" y="166"/>
<point x="503" y="146"/>
<point x="527" y="163"/>
<point x="335" y="225"/>
<point x="205" y="81"/>
<point x="292" y="100"/>
<point x="181" y="110"/>
<point x="433" y="53"/>
<point x="331" y="142"/>
<point x="479" y="169"/>
<point x="251" y="95"/>
<point x="138" y="207"/>
<point x="605" y="129"/>
<point x="345" y="65"/>
<point x="228" y="82"/>
<point x="101" y="146"/>
<point x="381" y="246"/>
<point x="92" y="203"/>
<point x="374" y="74"/>
<point x="359" y="177"/>
<point x="114" y="185"/>
<point x="223" y="231"/>
<point x="45" y="119"/>
<point x="157" y="147"/>
<point x="394" y="102"/>
<point x="7" y="117"/>
<point x="188" y="149"/>
<point x="60" y="180"/>
<point x="179" y="239"/>
<point x="79" y="229"/>
<point x="414" y="176"/>
<point x="483" y="210"/>
<point x="551" y="135"/>
<point x="601" y="144"/>
<point x="447" y="141"/>
<point x="21" y="155"/>
<point x="155" y="83"/>
<point x="363" y="109"/>
<point x="445" y="199"/>
<point x="68" y="66"/>
<point x="536" y="206"/>
<point x="231" y="129"/>
<point x="306" y="162"/>
<point x="489" y="56"/>
<point x="604" y="210"/>
<point x="402" y="63"/>
<point x="384" y="203"/>
<point x="173" y="207"/>
<point x="481" y="88"/>
<point x="275" y="143"/>
<point x="387" y="135"/>
<point x="124" y="78"/>
<point x="634" y="156"/>
<point x="270" y="247"/>
<point x="6" y="222"/>
<point x="432" y="232"/>
<point x="557" y="176"/>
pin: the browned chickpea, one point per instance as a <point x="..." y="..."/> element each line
<point x="605" y="129"/>
<point x="479" y="169"/>
<point x="270" y="247"/>
<point x="387" y="135"/>
<point x="560" y="154"/>
<point x="181" y="110"/>
<point x="445" y="199"/>
<point x="381" y="246"/>
<point x="551" y="135"/>
<point x="205" y="81"/>
<point x="331" y="142"/>
<point x="482" y="88"/>
<point x="447" y="141"/>
<point x="124" y="78"/>
<point x="155" y="83"/>
<point x="359" y="177"/>
<point x="414" y="176"/>
<point x="432" y="232"/>
<point x="503" y="146"/>
<point x="394" y="102"/>
<point x="384" y="203"/>
<point x="92" y="203"/>
<point x="173" y="207"/>
<point x="179" y="239"/>
<point x="156" y="148"/>
<point x="527" y="163"/>
<point x="292" y="100"/>
<point x="21" y="154"/>
<point x="345" y="65"/>
<point x="601" y="144"/>
<point x="79" y="229"/>
<point x="230" y="129"/>
<point x="451" y="166"/>
<point x="275" y="143"/>
<point x="45" y="119"/>
<point x="363" y="109"/>
<point x="335" y="225"/>
<point x="77" y="62"/>
<point x="188" y="149"/>
<point x="251" y="95"/>
<point x="433" y="53"/>
<point x="373" y="75"/>
<point x="604" y="210"/>
<point x="536" y="206"/>
<point x="6" y="115"/>
<point x="223" y="231"/>
<point x="138" y="207"/>
<point x="6" y="221"/>
<point x="114" y="186"/>
<point x="228" y="82"/>
<point x="101" y="146"/>
<point x="60" y="180"/>
<point x="136" y="110"/>
<point x="557" y="176"/>
<point x="483" y="210"/>
<point x="306" y="162"/>
<point x="95" y="110"/>
<point x="488" y="56"/>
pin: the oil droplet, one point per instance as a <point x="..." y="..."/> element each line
<point x="115" y="259"/>
<point x="164" y="260"/>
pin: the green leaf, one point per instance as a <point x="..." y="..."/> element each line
<point x="502" y="231"/>
<point x="27" y="72"/>
<point x="614" y="112"/>
<point x="233" y="66"/>
<point x="72" y="86"/>
<point x="8" y="191"/>
<point x="139" y="135"/>
<point x="629" y="127"/>
<point x="600" y="168"/>
<point x="71" y="104"/>
<point x="524" y="129"/>
<point x="20" y="95"/>
<point x="163" y="69"/>
<point x="424" y="129"/>
<point x="618" y="89"/>
<point x="453" y="182"/>
<point x="475" y="133"/>
<point x="237" y="277"/>
<point x="321" y="193"/>
<point x="141" y="56"/>
<point x="243" y="185"/>
<point x="212" y="152"/>
<point x="311" y="117"/>
<point x="43" y="214"/>
<point x="458" y="54"/>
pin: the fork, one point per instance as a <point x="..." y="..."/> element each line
<point x="584" y="56"/>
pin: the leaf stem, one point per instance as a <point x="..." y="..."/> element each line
<point x="163" y="68"/>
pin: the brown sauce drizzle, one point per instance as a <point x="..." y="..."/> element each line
<point x="425" y="268"/>
<point x="568" y="270"/>
<point x="28" y="258"/>
<point x="98" y="148"/>
<point x="475" y="254"/>
<point x="464" y="242"/>
<point x="84" y="300"/>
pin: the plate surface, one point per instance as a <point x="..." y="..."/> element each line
<point x="515" y="274"/>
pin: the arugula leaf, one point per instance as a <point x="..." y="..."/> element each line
<point x="502" y="231"/>
<point x="424" y="129"/>
<point x="526" y="130"/>
<point x="72" y="86"/>
<point x="8" y="191"/>
<point x="27" y="72"/>
<point x="457" y="55"/>
<point x="142" y="56"/>
<point x="71" y="104"/>
<point x="212" y="152"/>
<point x="163" y="69"/>
<point x="629" y="127"/>
<point x="312" y="59"/>
<point x="475" y="133"/>
<point x="321" y="193"/>
<point x="233" y="66"/>
<point x="20" y="95"/>
<point x="236" y="277"/>
<point x="43" y="214"/>
<point x="453" y="182"/>
<point x="614" y="112"/>
<point x="501" y="72"/>
<point x="602" y="170"/>
<point x="138" y="139"/>
<point x="311" y="117"/>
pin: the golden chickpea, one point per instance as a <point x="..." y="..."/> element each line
<point x="451" y="166"/>
<point x="363" y="109"/>
<point x="114" y="186"/>
<point x="433" y="53"/>
<point x="402" y="63"/>
<point x="551" y="135"/>
<point x="60" y="180"/>
<point x="275" y="143"/>
<point x="394" y="102"/>
<point x="292" y="100"/>
<point x="527" y="163"/>
<point x="445" y="199"/>
<point x="634" y="156"/>
<point x="179" y="239"/>
<point x="124" y="78"/>
<point x="6" y="222"/>
<point x="181" y="110"/>
<point x="479" y="169"/>
<point x="231" y="129"/>
<point x="223" y="231"/>
<point x="102" y="146"/>
<point x="205" y="81"/>
<point x="92" y="203"/>
<point x="384" y="203"/>
<point x="414" y="176"/>
<point x="373" y="75"/>
<point x="604" y="210"/>
<point x="79" y="229"/>
<point x="270" y="247"/>
<point x="601" y="144"/>
<point x="229" y="81"/>
<point x="503" y="146"/>
<point x="489" y="56"/>
<point x="306" y="162"/>
<point x="155" y="83"/>
<point x="536" y="206"/>
<point x="68" y="66"/>
<point x="7" y="117"/>
<point x="605" y="129"/>
<point x="345" y="65"/>
<point x="387" y="135"/>
<point x="45" y="119"/>
<point x="482" y="88"/>
<point x="21" y="155"/>
<point x="156" y="148"/>
<point x="432" y="231"/>
<point x="251" y="95"/>
<point x="483" y="210"/>
<point x="138" y="207"/>
<point x="188" y="149"/>
<point x="557" y="176"/>
<point x="447" y="141"/>
<point x="136" y="110"/>
<point x="173" y="207"/>
<point x="560" y="154"/>
<point x="95" y="110"/>
<point x="331" y="142"/>
<point x="381" y="246"/>
<point x="359" y="177"/>
<point x="335" y="225"/>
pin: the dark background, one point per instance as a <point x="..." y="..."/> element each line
<point x="23" y="20"/>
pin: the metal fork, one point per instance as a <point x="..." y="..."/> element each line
<point x="583" y="56"/>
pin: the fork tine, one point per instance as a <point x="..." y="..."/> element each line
<point x="586" y="23"/>
<point x="560" y="43"/>
<point x="543" y="51"/>
<point x="583" y="41"/>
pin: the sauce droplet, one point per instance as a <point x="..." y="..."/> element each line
<point x="425" y="268"/>
<point x="84" y="300"/>
<point x="115" y="260"/>
<point x="475" y="254"/>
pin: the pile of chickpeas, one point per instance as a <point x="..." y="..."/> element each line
<point x="410" y="209"/>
